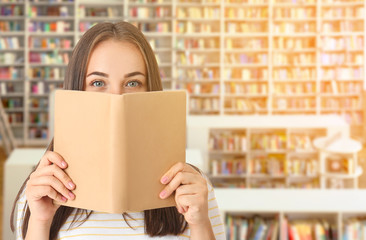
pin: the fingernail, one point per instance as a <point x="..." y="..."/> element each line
<point x="71" y="195"/>
<point x="71" y="185"/>
<point x="63" y="199"/>
<point x="165" y="179"/>
<point x="162" y="194"/>
<point x="63" y="164"/>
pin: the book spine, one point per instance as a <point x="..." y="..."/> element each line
<point x="119" y="176"/>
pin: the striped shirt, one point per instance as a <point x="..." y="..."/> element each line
<point x="112" y="226"/>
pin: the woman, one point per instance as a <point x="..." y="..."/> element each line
<point x="114" y="58"/>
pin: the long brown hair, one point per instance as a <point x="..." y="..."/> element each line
<point x="158" y="222"/>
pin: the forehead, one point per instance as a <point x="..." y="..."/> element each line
<point x="113" y="56"/>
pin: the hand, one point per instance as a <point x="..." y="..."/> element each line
<point x="47" y="183"/>
<point x="190" y="192"/>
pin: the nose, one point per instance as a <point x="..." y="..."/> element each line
<point x="115" y="89"/>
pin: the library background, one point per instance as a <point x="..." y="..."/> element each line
<point x="277" y="103"/>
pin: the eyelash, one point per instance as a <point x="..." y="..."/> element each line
<point x="92" y="82"/>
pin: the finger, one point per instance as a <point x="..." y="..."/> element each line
<point x="188" y="201"/>
<point x="50" y="158"/>
<point x="179" y="178"/>
<point x="188" y="189"/>
<point x="178" y="167"/>
<point x="38" y="192"/>
<point x="179" y="206"/>
<point x="54" y="170"/>
<point x="54" y="183"/>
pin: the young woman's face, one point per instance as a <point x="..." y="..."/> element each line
<point x="116" y="67"/>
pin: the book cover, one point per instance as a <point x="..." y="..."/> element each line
<point x="119" y="146"/>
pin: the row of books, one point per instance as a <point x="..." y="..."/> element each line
<point x="198" y="74"/>
<point x="84" y="11"/>
<point x="246" y="13"/>
<point x="38" y="103"/>
<point x="204" y="104"/>
<point x="256" y="228"/>
<point x="84" y="26"/>
<point x="228" y="167"/>
<point x="341" y="58"/>
<point x="9" y="87"/>
<point x="291" y="28"/>
<point x="11" y="26"/>
<point x="227" y="141"/>
<point x="302" y="167"/>
<point x="38" y="118"/>
<point x="197" y="12"/>
<point x="342" y="73"/>
<point x="11" y="72"/>
<point x="200" y="88"/>
<point x="248" y="88"/>
<point x="246" y="27"/>
<point x="294" y="88"/>
<point x="246" y="43"/>
<point x="273" y="165"/>
<point x="54" y="57"/>
<point x="245" y="74"/>
<point x="50" y="43"/>
<point x="294" y="73"/>
<point x="341" y="103"/>
<point x="38" y="133"/>
<point x="268" y="141"/>
<point x="12" y="102"/>
<point x="340" y="12"/>
<point x="52" y="26"/>
<point x="46" y="73"/>
<point x="341" y="87"/>
<point x="309" y="229"/>
<point x="36" y="11"/>
<point x="11" y="58"/>
<point x="195" y="58"/>
<point x="286" y="43"/>
<point x="340" y="43"/>
<point x="196" y="27"/>
<point x="248" y="105"/>
<point x="145" y="12"/>
<point x="354" y="229"/>
<point x="294" y="12"/>
<point x="11" y="10"/>
<point x="342" y="26"/>
<point x="242" y="58"/>
<point x="294" y="59"/>
<point x="161" y="27"/>
<point x="300" y="104"/>
<point x="202" y="43"/>
<point x="9" y="43"/>
<point x="42" y="88"/>
<point x="302" y="142"/>
<point x="15" y="117"/>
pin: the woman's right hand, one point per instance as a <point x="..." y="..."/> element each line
<point x="47" y="183"/>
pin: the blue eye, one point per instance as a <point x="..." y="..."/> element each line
<point x="97" y="84"/>
<point x="133" y="84"/>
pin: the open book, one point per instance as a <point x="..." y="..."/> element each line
<point x="119" y="146"/>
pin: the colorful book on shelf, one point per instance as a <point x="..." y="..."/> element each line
<point x="118" y="166"/>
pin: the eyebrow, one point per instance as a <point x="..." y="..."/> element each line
<point x="106" y="75"/>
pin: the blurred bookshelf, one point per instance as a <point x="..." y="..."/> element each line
<point x="234" y="57"/>
<point x="275" y="158"/>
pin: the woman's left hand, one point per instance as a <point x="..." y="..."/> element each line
<point x="190" y="192"/>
